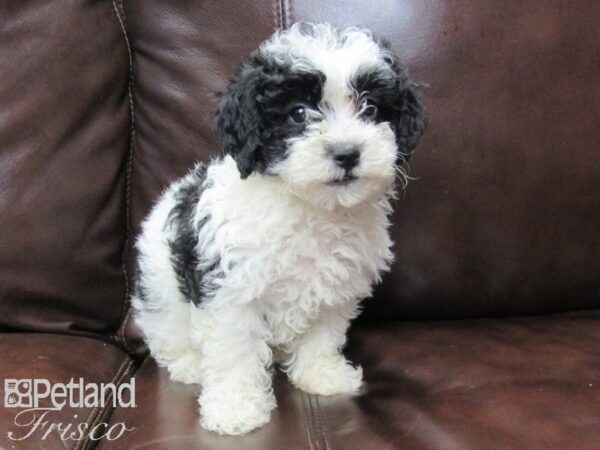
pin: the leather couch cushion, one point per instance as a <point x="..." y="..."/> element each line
<point x="503" y="218"/>
<point x="58" y="359"/>
<point x="491" y="383"/>
<point x="64" y="139"/>
<point x="167" y="418"/>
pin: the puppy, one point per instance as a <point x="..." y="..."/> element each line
<point x="265" y="254"/>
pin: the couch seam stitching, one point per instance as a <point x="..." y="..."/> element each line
<point x="321" y="423"/>
<point x="90" y="421"/>
<point x="290" y="11"/>
<point x="94" y="413"/>
<point x="285" y="19"/>
<point x="315" y="421"/>
<point x="108" y="411"/>
<point x="108" y="408"/>
<point x="126" y="310"/>
<point x="276" y="5"/>
<point x="306" y="418"/>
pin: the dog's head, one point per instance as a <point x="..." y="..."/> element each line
<point x="331" y="112"/>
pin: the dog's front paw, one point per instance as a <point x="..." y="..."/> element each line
<point x="234" y="410"/>
<point x="327" y="375"/>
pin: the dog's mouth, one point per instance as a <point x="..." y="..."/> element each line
<point x="344" y="181"/>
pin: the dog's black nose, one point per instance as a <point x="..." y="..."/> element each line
<point x="346" y="157"/>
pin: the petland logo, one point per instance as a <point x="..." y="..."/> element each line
<point x="33" y="419"/>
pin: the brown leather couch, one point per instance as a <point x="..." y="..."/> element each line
<point x="486" y="335"/>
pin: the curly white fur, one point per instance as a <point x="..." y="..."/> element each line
<point x="293" y="276"/>
<point x="295" y="254"/>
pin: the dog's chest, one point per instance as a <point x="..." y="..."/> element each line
<point x="289" y="259"/>
<point x="319" y="265"/>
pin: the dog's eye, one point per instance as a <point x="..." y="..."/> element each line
<point x="368" y="110"/>
<point x="298" y="114"/>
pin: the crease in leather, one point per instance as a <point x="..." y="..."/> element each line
<point x="102" y="413"/>
<point x="126" y="311"/>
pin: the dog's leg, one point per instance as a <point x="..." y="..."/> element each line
<point x="167" y="333"/>
<point x="316" y="364"/>
<point x="236" y="382"/>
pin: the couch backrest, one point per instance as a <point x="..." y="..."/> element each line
<point x="502" y="220"/>
<point x="504" y="215"/>
<point x="64" y="144"/>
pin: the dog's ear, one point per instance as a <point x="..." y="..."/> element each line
<point x="238" y="120"/>
<point x="412" y="122"/>
<point x="412" y="119"/>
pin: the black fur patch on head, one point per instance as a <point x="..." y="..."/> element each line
<point x="195" y="284"/>
<point x="253" y="115"/>
<point x="397" y="99"/>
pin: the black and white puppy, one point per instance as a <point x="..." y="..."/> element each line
<point x="264" y="254"/>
